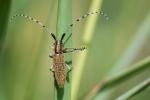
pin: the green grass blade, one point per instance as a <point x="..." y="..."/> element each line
<point x="116" y="79"/>
<point x="136" y="90"/>
<point x="87" y="38"/>
<point x="132" y="51"/>
<point x="137" y="42"/>
<point x="4" y="12"/>
<point x="63" y="20"/>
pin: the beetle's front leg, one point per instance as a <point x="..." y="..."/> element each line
<point x="51" y="55"/>
<point x="67" y="50"/>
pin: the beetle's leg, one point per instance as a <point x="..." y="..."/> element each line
<point x="68" y="62"/>
<point x="51" y="55"/>
<point x="69" y="68"/>
<point x="52" y="46"/>
<point x="68" y="71"/>
<point x="52" y="69"/>
<point x="67" y="50"/>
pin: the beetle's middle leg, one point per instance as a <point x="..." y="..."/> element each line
<point x="51" y="68"/>
<point x="67" y="50"/>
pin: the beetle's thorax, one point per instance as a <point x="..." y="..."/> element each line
<point x="58" y="47"/>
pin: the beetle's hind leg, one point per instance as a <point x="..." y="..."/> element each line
<point x="68" y="62"/>
<point x="69" y="68"/>
<point x="68" y="71"/>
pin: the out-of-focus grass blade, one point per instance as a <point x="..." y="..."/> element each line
<point x="63" y="20"/>
<point x="130" y="54"/>
<point x="4" y="12"/>
<point x="120" y="77"/>
<point x="136" y="90"/>
<point x="87" y="38"/>
<point x="137" y="42"/>
<point x="26" y="54"/>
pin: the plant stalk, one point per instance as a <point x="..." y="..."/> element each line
<point x="63" y="20"/>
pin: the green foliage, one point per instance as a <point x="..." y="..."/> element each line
<point x="114" y="45"/>
<point x="122" y="76"/>
<point x="136" y="90"/>
<point x="4" y="13"/>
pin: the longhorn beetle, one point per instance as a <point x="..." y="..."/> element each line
<point x="59" y="65"/>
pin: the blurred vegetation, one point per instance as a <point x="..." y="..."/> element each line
<point x="115" y="45"/>
<point x="134" y="91"/>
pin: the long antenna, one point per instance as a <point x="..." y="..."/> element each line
<point x="81" y="18"/>
<point x="32" y="19"/>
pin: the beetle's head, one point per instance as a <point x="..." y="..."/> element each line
<point x="58" y="43"/>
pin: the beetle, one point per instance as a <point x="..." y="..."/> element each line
<point x="59" y="67"/>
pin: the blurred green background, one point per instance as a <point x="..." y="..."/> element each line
<point x="117" y="43"/>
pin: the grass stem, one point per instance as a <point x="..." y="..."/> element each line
<point x="63" y="20"/>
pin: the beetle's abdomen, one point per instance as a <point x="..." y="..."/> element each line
<point x="59" y="69"/>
